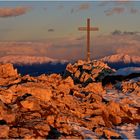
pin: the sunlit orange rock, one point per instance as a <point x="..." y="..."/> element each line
<point x="6" y="96"/>
<point x="95" y="88"/>
<point x="109" y="134"/>
<point x="4" y="131"/>
<point x="7" y="70"/>
<point x="31" y="103"/>
<point x="55" y="106"/>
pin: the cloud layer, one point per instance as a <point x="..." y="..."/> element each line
<point x="13" y="12"/>
<point x="23" y="48"/>
<point x="75" y="47"/>
<point x="126" y="42"/>
<point x="118" y="32"/>
<point x="84" y="6"/>
<point x="81" y="7"/>
<point x="115" y="10"/>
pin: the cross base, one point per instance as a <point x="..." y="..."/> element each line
<point x="88" y="57"/>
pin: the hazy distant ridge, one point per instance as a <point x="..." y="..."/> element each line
<point x="41" y="62"/>
<point x="121" y="58"/>
<point x="29" y="60"/>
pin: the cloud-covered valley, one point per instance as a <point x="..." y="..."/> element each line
<point x="71" y="48"/>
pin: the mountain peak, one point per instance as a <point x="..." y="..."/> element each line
<point x="125" y="58"/>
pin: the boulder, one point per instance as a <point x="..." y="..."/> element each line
<point x="6" y="96"/>
<point x="80" y="62"/>
<point x="28" y="78"/>
<point x="50" y="119"/>
<point x="113" y="107"/>
<point x="77" y="74"/>
<point x="130" y="86"/>
<point x="7" y="70"/>
<point x="78" y="94"/>
<point x="41" y="93"/>
<point x="44" y="94"/>
<point x="14" y="133"/>
<point x="110" y="133"/>
<point x="9" y="117"/>
<point x="4" y="131"/>
<point x="26" y="133"/>
<point x="31" y="104"/>
<point x="115" y="119"/>
<point x="94" y="88"/>
<point x="69" y="81"/>
<point x="86" y="72"/>
<point x="3" y="110"/>
<point x="65" y="85"/>
<point x="87" y="67"/>
<point x="5" y="114"/>
<point x="71" y="68"/>
<point x="9" y="81"/>
<point x="42" y="129"/>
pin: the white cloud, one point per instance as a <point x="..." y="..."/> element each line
<point x="13" y="12"/>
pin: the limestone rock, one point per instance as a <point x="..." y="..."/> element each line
<point x="9" y="117"/>
<point x="31" y="103"/>
<point x="14" y="133"/>
<point x="72" y="106"/>
<point x="87" y="72"/>
<point x="42" y="93"/>
<point x="65" y="85"/>
<point x="4" y="131"/>
<point x="28" y="78"/>
<point x="7" y="70"/>
<point x="80" y="62"/>
<point x="50" y="119"/>
<point x="77" y="74"/>
<point x="26" y="133"/>
<point x="9" y="81"/>
<point x="6" y="96"/>
<point x="130" y="86"/>
<point x="95" y="88"/>
<point x="3" y="110"/>
<point x="42" y="129"/>
<point x="87" y="67"/>
<point x="70" y="68"/>
<point x="109" y="134"/>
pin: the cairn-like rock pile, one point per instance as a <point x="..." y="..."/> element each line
<point x="8" y="74"/>
<point x="83" y="72"/>
<point x="55" y="106"/>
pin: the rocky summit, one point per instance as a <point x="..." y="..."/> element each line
<point x="73" y="105"/>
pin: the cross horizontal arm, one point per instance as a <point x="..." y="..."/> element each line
<point x="85" y="29"/>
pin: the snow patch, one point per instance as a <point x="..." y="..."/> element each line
<point x="117" y="58"/>
<point x="127" y="71"/>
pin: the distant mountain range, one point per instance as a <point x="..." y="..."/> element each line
<point x="29" y="60"/>
<point x="21" y="59"/>
<point x="36" y="65"/>
<point x="118" y="61"/>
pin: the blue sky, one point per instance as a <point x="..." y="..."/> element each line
<point x="64" y="18"/>
<point x="58" y="22"/>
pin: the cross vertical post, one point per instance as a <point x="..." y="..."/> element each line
<point x="88" y="29"/>
<point x="88" y="39"/>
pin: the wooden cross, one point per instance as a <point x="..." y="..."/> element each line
<point x="88" y="29"/>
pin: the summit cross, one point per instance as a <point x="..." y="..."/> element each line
<point x="88" y="29"/>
